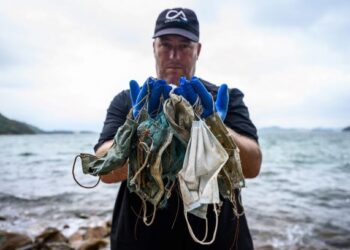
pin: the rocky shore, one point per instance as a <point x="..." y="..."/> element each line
<point x="85" y="238"/>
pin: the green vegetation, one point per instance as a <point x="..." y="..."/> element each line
<point x="8" y="127"/>
<point x="12" y="127"/>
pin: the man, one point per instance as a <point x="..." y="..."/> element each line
<point x="176" y="50"/>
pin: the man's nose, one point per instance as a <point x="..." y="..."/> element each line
<point x="174" y="53"/>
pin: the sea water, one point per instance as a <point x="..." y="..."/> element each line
<point x="300" y="200"/>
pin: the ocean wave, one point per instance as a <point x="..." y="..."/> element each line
<point x="27" y="154"/>
<point x="344" y="168"/>
<point x="331" y="194"/>
<point x="333" y="235"/>
<point x="63" y="197"/>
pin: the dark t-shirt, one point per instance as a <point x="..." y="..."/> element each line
<point x="169" y="229"/>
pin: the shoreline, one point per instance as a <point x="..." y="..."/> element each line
<point x="83" y="238"/>
<point x="95" y="234"/>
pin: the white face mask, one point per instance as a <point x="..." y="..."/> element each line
<point x="203" y="161"/>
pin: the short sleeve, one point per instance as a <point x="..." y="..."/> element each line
<point x="238" y="115"/>
<point x="116" y="116"/>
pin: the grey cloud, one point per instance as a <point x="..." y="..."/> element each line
<point x="321" y="21"/>
<point x="297" y="13"/>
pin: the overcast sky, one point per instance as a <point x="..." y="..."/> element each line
<point x="62" y="62"/>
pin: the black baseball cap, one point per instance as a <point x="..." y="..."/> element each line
<point x="177" y="21"/>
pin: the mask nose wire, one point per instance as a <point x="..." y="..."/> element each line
<point x="173" y="87"/>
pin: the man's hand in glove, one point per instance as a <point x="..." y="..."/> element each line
<point x="195" y="88"/>
<point x="151" y="91"/>
<point x="186" y="90"/>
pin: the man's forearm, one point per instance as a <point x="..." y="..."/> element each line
<point x="249" y="152"/>
<point x="114" y="176"/>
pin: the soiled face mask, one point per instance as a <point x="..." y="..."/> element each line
<point x="145" y="162"/>
<point x="231" y="176"/>
<point x="179" y="114"/>
<point x="204" y="159"/>
<point x="116" y="155"/>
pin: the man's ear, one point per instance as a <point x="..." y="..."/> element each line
<point x="199" y="47"/>
<point x="154" y="44"/>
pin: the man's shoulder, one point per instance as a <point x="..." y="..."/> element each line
<point x="210" y="86"/>
<point x="213" y="88"/>
<point x="124" y="94"/>
<point x="122" y="98"/>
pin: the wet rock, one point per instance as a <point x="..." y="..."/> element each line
<point x="96" y="233"/>
<point x="89" y="237"/>
<point x="57" y="246"/>
<point x="93" y="244"/>
<point x="9" y="241"/>
<point x="82" y="215"/>
<point x="265" y="247"/>
<point x="109" y="224"/>
<point x="86" y="233"/>
<point x="28" y="247"/>
<point x="77" y="236"/>
<point x="48" y="246"/>
<point x="51" y="235"/>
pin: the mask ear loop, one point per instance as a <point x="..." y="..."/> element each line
<point x="142" y="147"/>
<point x="202" y="242"/>
<point x="237" y="214"/>
<point x="148" y="223"/>
<point x="145" y="147"/>
<point x="237" y="202"/>
<point x="159" y="108"/>
<point x="197" y="108"/>
<point x="75" y="179"/>
<point x="156" y="170"/>
<point x="144" y="208"/>
<point x="145" y="105"/>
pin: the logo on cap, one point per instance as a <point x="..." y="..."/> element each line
<point x="172" y="14"/>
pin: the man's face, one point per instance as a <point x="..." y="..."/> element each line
<point x="175" y="56"/>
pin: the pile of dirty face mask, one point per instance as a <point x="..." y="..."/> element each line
<point x="175" y="145"/>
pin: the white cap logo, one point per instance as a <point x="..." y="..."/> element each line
<point x="172" y="14"/>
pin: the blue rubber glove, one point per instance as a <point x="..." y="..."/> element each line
<point x="134" y="92"/>
<point x="205" y="97"/>
<point x="221" y="104"/>
<point x="186" y="90"/>
<point x="159" y="88"/>
<point x="138" y="96"/>
<point x="154" y="89"/>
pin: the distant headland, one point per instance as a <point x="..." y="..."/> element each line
<point x="13" y="127"/>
